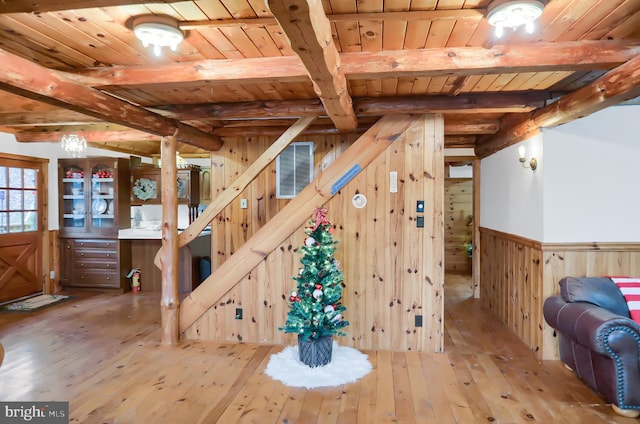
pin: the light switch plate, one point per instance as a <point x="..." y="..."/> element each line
<point x="244" y="204"/>
<point x="420" y="206"/>
<point x="393" y="182"/>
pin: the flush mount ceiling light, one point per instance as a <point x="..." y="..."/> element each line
<point x="513" y="14"/>
<point x="73" y="144"/>
<point x="158" y="31"/>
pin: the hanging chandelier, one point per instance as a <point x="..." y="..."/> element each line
<point x="158" y="32"/>
<point x="513" y="14"/>
<point x="73" y="144"/>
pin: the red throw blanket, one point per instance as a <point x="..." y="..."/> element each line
<point x="630" y="288"/>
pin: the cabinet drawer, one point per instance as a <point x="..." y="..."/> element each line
<point x="94" y="263"/>
<point x="96" y="278"/>
<point x="105" y="255"/>
<point x="96" y="244"/>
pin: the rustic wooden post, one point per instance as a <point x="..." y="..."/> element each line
<point x="169" y="303"/>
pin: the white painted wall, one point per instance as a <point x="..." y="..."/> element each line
<point x="586" y="188"/>
<point x="592" y="178"/>
<point x="511" y="197"/>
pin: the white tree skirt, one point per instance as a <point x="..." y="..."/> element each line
<point x="347" y="365"/>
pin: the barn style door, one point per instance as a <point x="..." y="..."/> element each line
<point x="20" y="228"/>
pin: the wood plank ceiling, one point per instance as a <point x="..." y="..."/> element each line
<point x="248" y="68"/>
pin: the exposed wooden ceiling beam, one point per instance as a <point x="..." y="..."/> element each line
<point x="364" y="106"/>
<point x="616" y="86"/>
<point x="97" y="136"/>
<point x="53" y="116"/>
<point x="454" y="128"/>
<point x="414" y="15"/>
<point x="30" y="80"/>
<point x="462" y="61"/>
<point x="309" y="32"/>
<point x="52" y="124"/>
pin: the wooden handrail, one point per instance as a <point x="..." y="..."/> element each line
<point x="218" y="204"/>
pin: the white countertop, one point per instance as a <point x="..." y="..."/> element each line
<point x="148" y="234"/>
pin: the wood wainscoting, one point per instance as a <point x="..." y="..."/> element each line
<point x="518" y="274"/>
<point x="583" y="259"/>
<point x="511" y="283"/>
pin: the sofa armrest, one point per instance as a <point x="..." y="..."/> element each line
<point x="593" y="327"/>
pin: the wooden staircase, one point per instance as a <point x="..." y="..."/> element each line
<point x="293" y="215"/>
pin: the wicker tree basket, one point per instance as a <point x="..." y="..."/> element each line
<point x="315" y="353"/>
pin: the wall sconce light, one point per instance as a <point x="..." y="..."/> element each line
<point x="533" y="162"/>
<point x="73" y="144"/>
<point x="158" y="31"/>
<point x="513" y="14"/>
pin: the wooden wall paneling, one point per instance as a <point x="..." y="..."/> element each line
<point x="377" y="245"/>
<point x="372" y="242"/>
<point x="379" y="278"/>
<point x="218" y="251"/>
<point x="433" y="253"/>
<point x="258" y="195"/>
<point x="458" y="220"/>
<point x="578" y="260"/>
<point x="394" y="236"/>
<point x="364" y="151"/>
<point x="412" y="246"/>
<point x="263" y="320"/>
<point x="55" y="261"/>
<point x="512" y="276"/>
<point x="475" y="235"/>
<point x="519" y="274"/>
<point x="365" y="245"/>
<point x="253" y="291"/>
<point x="538" y="283"/>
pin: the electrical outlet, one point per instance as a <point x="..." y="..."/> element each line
<point x="418" y="320"/>
<point x="238" y="313"/>
<point x="52" y="275"/>
<point x="420" y="221"/>
<point x="244" y="204"/>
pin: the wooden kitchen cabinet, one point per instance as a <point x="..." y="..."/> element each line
<point x="146" y="183"/>
<point x="189" y="186"/>
<point x="94" y="197"/>
<point x="95" y="263"/>
<point x="94" y="205"/>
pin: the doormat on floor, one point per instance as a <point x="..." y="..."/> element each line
<point x="347" y="365"/>
<point x="35" y="303"/>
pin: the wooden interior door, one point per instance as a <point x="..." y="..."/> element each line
<point x="21" y="212"/>
<point x="20" y="265"/>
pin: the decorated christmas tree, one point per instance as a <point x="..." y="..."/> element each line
<point x="316" y="306"/>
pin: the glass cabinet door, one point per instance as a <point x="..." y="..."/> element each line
<point x="73" y="208"/>
<point x="103" y="206"/>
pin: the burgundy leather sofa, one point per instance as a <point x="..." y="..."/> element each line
<point x="598" y="339"/>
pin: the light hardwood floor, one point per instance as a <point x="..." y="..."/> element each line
<point x="102" y="354"/>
